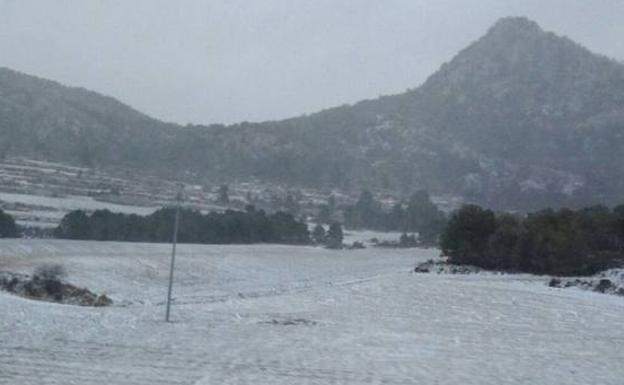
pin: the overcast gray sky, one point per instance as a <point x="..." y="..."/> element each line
<point x="217" y="61"/>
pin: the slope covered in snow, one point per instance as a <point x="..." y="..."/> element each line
<point x="299" y="315"/>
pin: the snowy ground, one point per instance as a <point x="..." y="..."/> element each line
<point x="49" y="211"/>
<point x="365" y="319"/>
<point x="366" y="236"/>
<point x="74" y="203"/>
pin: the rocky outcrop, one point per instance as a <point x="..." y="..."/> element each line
<point x="608" y="282"/>
<point x="443" y="267"/>
<point x="50" y="290"/>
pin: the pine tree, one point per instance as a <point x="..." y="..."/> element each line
<point x="335" y="236"/>
<point x="319" y="235"/>
<point x="223" y="194"/>
<point x="8" y="228"/>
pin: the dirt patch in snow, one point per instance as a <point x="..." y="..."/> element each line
<point x="291" y="322"/>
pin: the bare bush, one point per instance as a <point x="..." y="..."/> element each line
<point x="50" y="272"/>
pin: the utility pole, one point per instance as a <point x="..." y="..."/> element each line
<point x="173" y="249"/>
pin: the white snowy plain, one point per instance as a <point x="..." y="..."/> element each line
<point x="364" y="318"/>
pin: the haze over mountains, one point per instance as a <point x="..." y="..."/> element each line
<point x="520" y="119"/>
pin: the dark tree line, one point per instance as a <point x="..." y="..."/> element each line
<point x="8" y="228"/>
<point x="419" y="214"/>
<point x="229" y="227"/>
<point x="557" y="242"/>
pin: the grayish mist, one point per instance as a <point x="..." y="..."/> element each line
<point x="235" y="60"/>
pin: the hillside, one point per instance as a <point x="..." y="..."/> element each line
<point x="520" y="119"/>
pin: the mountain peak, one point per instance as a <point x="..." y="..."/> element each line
<point x="511" y="31"/>
<point x="514" y="25"/>
<point x="518" y="48"/>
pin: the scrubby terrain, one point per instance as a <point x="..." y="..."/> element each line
<point x="299" y="315"/>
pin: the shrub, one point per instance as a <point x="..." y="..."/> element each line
<point x="8" y="228"/>
<point x="49" y="277"/>
<point x="408" y="240"/>
<point x="357" y="245"/>
<point x="50" y="272"/>
<point x="334" y="236"/>
<point x="319" y="235"/>
<point x="102" y="300"/>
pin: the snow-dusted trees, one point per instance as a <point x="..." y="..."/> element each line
<point x="557" y="242"/>
<point x="419" y="215"/>
<point x="334" y="236"/>
<point x="319" y="235"/>
<point x="229" y="227"/>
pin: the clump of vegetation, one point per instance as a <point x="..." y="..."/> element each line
<point x="8" y="228"/>
<point x="319" y="235"/>
<point x="47" y="284"/>
<point x="229" y="227"/>
<point x="405" y="241"/>
<point x="334" y="236"/>
<point x="357" y="246"/>
<point x="50" y="272"/>
<point x="418" y="215"/>
<point x="563" y="242"/>
<point x="49" y="279"/>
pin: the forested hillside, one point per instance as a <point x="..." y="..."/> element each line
<point x="520" y="119"/>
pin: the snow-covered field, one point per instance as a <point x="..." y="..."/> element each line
<point x="74" y="203"/>
<point x="365" y="236"/>
<point x="50" y="210"/>
<point x="300" y="315"/>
